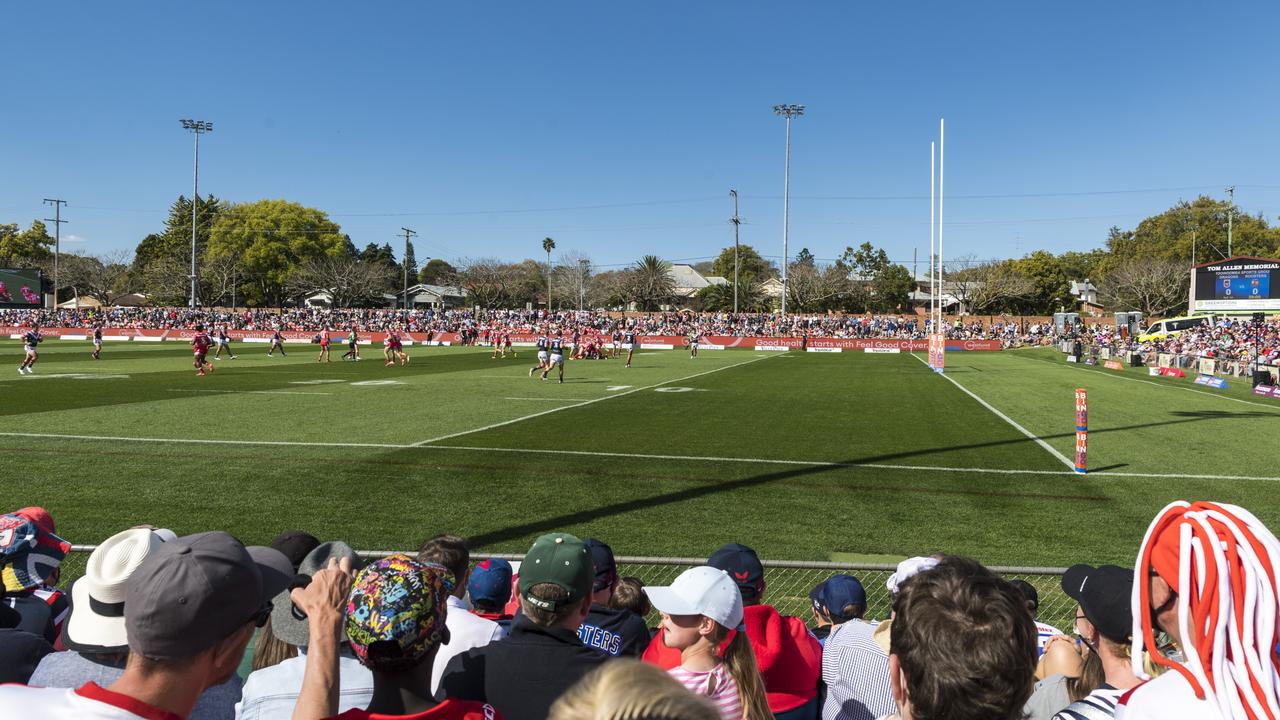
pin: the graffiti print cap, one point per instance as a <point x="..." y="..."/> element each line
<point x="396" y="611"/>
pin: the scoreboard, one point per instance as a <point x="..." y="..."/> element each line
<point x="1241" y="284"/>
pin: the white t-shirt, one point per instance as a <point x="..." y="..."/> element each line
<point x="88" y="702"/>
<point x="1168" y="697"/>
<point x="466" y="631"/>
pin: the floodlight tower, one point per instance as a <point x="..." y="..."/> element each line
<point x="788" y="112"/>
<point x="197" y="127"/>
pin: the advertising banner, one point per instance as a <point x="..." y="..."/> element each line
<point x="1113" y="365"/>
<point x="1272" y="391"/>
<point x="1082" y="430"/>
<point x="1210" y="381"/>
<point x="1172" y="372"/>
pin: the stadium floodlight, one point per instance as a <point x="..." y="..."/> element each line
<point x="788" y="112"/>
<point x="197" y="127"/>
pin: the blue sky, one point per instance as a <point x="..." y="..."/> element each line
<point x="618" y="129"/>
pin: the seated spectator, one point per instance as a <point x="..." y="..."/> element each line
<point x="629" y="595"/>
<point x="20" y="651"/>
<point x="31" y="555"/>
<point x="1043" y="631"/>
<point x="962" y="645"/>
<point x="855" y="659"/>
<point x="617" y="632"/>
<point x="95" y="635"/>
<point x="1104" y="622"/>
<point x="396" y="621"/>
<point x="702" y="619"/>
<point x="523" y="674"/>
<point x="632" y="690"/>
<point x="788" y="655"/>
<point x="271" y="692"/>
<point x="296" y="545"/>
<point x="189" y="611"/>
<point x="836" y="600"/>
<point x="1206" y="576"/>
<point x="490" y="590"/>
<point x="268" y="648"/>
<point x="466" y="631"/>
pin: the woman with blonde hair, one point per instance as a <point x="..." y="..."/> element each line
<point x="702" y="618"/>
<point x="631" y="690"/>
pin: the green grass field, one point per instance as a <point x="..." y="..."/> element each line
<point x="804" y="456"/>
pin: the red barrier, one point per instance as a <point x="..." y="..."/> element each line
<point x="1172" y="372"/>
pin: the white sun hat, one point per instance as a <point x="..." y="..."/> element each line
<point x="701" y="591"/>
<point x="97" y="599"/>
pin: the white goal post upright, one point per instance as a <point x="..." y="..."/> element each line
<point x="937" y="337"/>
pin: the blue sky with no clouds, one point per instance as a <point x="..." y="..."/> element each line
<point x="619" y="128"/>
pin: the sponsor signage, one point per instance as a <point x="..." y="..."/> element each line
<point x="1082" y="430"/>
<point x="1113" y="365"/>
<point x="1210" y="381"/>
<point x="1272" y="391"/>
<point x="881" y="350"/>
<point x="825" y="349"/>
<point x="1072" y="358"/>
<point x="1172" y="372"/>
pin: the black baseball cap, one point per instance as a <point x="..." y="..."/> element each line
<point x="602" y="562"/>
<point x="1028" y="591"/>
<point x="743" y="565"/>
<point x="197" y="590"/>
<point x="1104" y="594"/>
<point x="296" y="545"/>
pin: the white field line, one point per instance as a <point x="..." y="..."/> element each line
<point x="249" y="392"/>
<point x="550" y="399"/>
<point x="1069" y="463"/>
<point x="636" y="456"/>
<point x="584" y="403"/>
<point x="1113" y="376"/>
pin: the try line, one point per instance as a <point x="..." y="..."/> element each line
<point x="635" y="456"/>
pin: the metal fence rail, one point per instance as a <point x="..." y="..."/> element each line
<point x="788" y="582"/>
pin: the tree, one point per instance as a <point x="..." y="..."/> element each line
<point x="270" y="239"/>
<point x="28" y="247"/>
<point x="866" y="261"/>
<point x="814" y="289"/>
<point x="410" y="262"/>
<point x="719" y="298"/>
<point x="486" y="281"/>
<point x="437" y="272"/>
<point x="161" y="254"/>
<point x="1153" y="285"/>
<point x="548" y="245"/>
<point x="351" y="282"/>
<point x="892" y="288"/>
<point x="104" y="279"/>
<point x="1050" y="282"/>
<point x="572" y="278"/>
<point x="804" y="257"/>
<point x="651" y="285"/>
<point x="988" y="286"/>
<point x="750" y="264"/>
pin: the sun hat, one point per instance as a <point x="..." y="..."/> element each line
<point x="702" y="590"/>
<point x="97" y="622"/>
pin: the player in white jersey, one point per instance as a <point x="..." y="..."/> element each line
<point x="557" y="358"/>
<point x="629" y="344"/>
<point x="693" y="344"/>
<point x="543" y="356"/>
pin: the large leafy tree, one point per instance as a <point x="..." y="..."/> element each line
<point x="33" y="246"/>
<point x="270" y="239"/>
<point x="651" y="284"/>
<point x="437" y="272"/>
<point x="162" y="261"/>
<point x="1199" y="225"/>
<point x="892" y="287"/>
<point x="750" y="265"/>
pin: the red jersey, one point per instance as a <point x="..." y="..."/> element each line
<point x="450" y="709"/>
<point x="200" y="343"/>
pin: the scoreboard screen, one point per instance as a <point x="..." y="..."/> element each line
<point x="20" y="288"/>
<point x="1237" y="284"/>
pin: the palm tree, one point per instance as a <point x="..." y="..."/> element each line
<point x="651" y="282"/>
<point x="548" y="245"/>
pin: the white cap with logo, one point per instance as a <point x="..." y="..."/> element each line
<point x="701" y="591"/>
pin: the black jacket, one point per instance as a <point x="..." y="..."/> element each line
<point x="615" y="631"/>
<point x="522" y="674"/>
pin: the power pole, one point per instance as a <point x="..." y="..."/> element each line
<point x="736" y="222"/>
<point x="57" y="241"/>
<point x="1231" y="207"/>
<point x="404" y="264"/>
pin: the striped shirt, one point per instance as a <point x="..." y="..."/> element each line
<point x="716" y="684"/>
<point x="856" y="672"/>
<point x="1097" y="705"/>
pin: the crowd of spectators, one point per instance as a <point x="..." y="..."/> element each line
<point x="1232" y="341"/>
<point x="478" y="324"/>
<point x="157" y="626"/>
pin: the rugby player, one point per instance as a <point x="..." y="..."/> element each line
<point x="200" y="348"/>
<point x="353" y="348"/>
<point x="277" y="342"/>
<point x="629" y="344"/>
<point x="324" y="346"/>
<point x="542" y="344"/>
<point x="693" y="344"/>
<point x="224" y="341"/>
<point x="97" y="342"/>
<point x="30" y="340"/>
<point x="557" y="357"/>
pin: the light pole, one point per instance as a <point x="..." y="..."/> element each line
<point x="788" y="112"/>
<point x="1231" y="207"/>
<point x="197" y="127"/>
<point x="736" y="222"/>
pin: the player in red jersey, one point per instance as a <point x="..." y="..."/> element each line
<point x="393" y="349"/>
<point x="200" y="347"/>
<point x="324" y="346"/>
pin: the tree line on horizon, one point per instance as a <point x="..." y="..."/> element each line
<point x="271" y="253"/>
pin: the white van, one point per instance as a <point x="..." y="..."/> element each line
<point x="1173" y="326"/>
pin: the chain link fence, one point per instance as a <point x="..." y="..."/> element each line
<point x="787" y="582"/>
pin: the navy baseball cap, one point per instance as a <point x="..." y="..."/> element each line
<point x="491" y="581"/>
<point x="743" y="565"/>
<point x="832" y="595"/>
<point x="602" y="562"/>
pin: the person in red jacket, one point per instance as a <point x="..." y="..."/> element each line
<point x="789" y="656"/>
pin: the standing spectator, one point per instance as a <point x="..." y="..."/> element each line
<point x="836" y="600"/>
<point x="270" y="693"/>
<point x="1043" y="631"/>
<point x="855" y="659"/>
<point x="1104" y="623"/>
<point x="396" y="619"/>
<point x="466" y="631"/>
<point x="963" y="646"/>
<point x="789" y="656"/>
<point x="95" y="635"/>
<point x="1206" y="576"/>
<point x="189" y="611"/>
<point x="31" y="556"/>
<point x="702" y="619"/>
<point x="490" y="590"/>
<point x="615" y="631"/>
<point x="523" y="674"/>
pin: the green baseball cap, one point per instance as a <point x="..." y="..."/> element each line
<point x="562" y="560"/>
